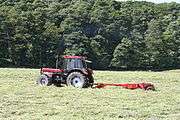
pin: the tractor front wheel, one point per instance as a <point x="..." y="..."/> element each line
<point x="44" y="80"/>
<point x="77" y="79"/>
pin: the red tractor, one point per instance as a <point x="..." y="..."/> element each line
<point x="74" y="72"/>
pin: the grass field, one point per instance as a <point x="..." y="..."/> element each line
<point x="22" y="99"/>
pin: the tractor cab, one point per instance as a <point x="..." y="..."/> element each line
<point x="74" y="62"/>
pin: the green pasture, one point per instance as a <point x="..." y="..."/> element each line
<point x="22" y="99"/>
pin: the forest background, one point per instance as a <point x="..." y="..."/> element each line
<point x="114" y="35"/>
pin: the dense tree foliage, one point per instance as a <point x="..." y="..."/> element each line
<point x="114" y="35"/>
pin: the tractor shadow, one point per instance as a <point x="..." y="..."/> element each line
<point x="59" y="85"/>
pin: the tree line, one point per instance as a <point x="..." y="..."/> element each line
<point x="113" y="35"/>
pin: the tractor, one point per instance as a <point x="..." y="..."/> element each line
<point x="73" y="72"/>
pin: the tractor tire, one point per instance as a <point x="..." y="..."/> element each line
<point x="78" y="80"/>
<point x="44" y="80"/>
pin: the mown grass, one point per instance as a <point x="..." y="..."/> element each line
<point x="22" y="99"/>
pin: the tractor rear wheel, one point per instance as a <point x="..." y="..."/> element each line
<point x="78" y="80"/>
<point x="44" y="80"/>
